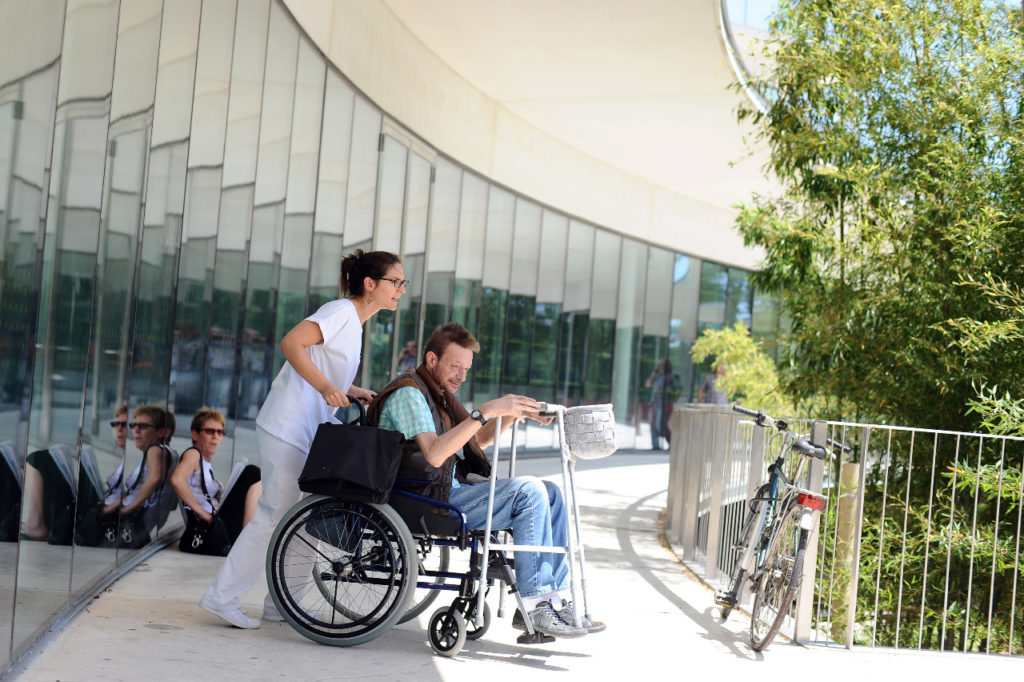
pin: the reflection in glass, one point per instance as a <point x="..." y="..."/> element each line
<point x="65" y="303"/>
<point x="28" y="91"/>
<point x="737" y="298"/>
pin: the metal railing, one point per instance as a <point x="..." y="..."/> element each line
<point x="919" y="546"/>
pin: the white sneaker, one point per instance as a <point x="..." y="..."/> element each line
<point x="271" y="614"/>
<point x="231" y="613"/>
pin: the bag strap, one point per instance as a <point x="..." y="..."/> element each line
<point x="202" y="480"/>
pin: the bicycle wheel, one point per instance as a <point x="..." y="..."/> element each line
<point x="734" y="593"/>
<point x="341" y="573"/>
<point x="438" y="561"/>
<point x="779" y="576"/>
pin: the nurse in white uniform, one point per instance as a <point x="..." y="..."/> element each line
<point x="321" y="355"/>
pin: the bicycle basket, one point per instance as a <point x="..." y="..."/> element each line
<point x="590" y="431"/>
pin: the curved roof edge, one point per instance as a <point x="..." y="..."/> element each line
<point x="373" y="48"/>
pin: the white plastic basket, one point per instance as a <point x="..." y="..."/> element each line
<point x="590" y="431"/>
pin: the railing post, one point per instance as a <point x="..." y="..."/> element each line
<point x="690" y="484"/>
<point x="805" y="597"/>
<point x="719" y="455"/>
<point x="679" y="449"/>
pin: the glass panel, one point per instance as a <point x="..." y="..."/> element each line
<point x="494" y="296"/>
<point x="470" y="258"/>
<point x="685" y="289"/>
<point x="522" y="300"/>
<point x="28" y="95"/>
<point x="379" y="335"/>
<point x="441" y="247"/>
<point x="362" y="186"/>
<point x="603" y="308"/>
<point x="64" y="310"/>
<point x="233" y="351"/>
<point x="737" y="298"/>
<point x="544" y="368"/>
<point x="576" y="314"/>
<point x="297" y="241"/>
<point x="410" y="306"/>
<point x="714" y="281"/>
<point x="628" y="336"/>
<point x="158" y="252"/>
<point x="765" y="323"/>
<point x="332" y="189"/>
<point x="270" y="193"/>
<point x="654" y="350"/>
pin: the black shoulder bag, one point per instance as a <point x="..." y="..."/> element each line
<point x="354" y="461"/>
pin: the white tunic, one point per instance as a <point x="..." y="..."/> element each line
<point x="294" y="408"/>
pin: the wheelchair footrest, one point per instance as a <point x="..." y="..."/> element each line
<point x="535" y="638"/>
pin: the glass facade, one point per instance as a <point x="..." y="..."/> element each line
<point x="178" y="183"/>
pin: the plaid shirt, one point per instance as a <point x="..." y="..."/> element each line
<point x="406" y="410"/>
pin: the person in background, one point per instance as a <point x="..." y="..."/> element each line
<point x="407" y="358"/>
<point x="661" y="382"/>
<point x="708" y="392"/>
<point x="322" y="354"/>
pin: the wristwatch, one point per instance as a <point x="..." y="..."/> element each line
<point x="479" y="416"/>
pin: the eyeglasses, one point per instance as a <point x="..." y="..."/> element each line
<point x="119" y="425"/>
<point x="213" y="432"/>
<point x="141" y="425"/>
<point x="399" y="283"/>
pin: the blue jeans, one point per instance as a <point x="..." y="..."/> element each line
<point x="535" y="512"/>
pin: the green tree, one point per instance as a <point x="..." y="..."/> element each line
<point x="895" y="130"/>
<point x="750" y="377"/>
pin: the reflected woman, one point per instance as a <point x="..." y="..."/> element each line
<point x="322" y="354"/>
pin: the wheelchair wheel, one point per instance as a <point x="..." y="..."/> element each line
<point x="447" y="632"/>
<point x="341" y="573"/>
<point x="438" y="560"/>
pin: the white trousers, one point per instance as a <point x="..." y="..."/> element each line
<point x="280" y="466"/>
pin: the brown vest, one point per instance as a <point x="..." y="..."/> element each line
<point x="446" y="411"/>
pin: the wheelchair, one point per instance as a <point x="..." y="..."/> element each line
<point x="343" y="572"/>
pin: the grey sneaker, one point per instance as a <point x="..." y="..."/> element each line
<point x="547" y="621"/>
<point x="568" y="614"/>
<point x="232" y="613"/>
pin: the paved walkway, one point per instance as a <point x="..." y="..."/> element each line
<point x="661" y="621"/>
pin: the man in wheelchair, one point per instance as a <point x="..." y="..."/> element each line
<point x="444" y="445"/>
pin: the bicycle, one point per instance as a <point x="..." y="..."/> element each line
<point x="773" y="539"/>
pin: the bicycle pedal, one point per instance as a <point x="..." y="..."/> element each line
<point x="726" y="599"/>
<point x="535" y="638"/>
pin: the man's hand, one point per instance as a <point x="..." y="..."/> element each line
<point x="519" y="407"/>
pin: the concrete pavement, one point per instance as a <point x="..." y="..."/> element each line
<point x="149" y="627"/>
